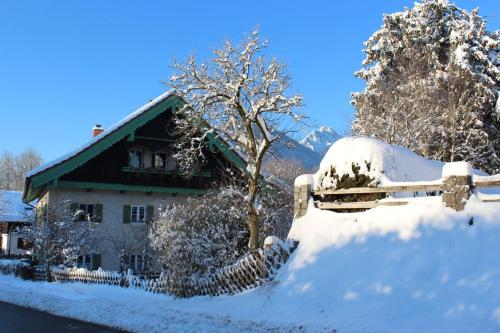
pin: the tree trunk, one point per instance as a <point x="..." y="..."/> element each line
<point x="253" y="216"/>
<point x="254" y="226"/>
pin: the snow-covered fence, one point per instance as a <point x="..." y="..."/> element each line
<point x="253" y="270"/>
<point x="8" y="266"/>
<point x="15" y="256"/>
<point x="65" y="274"/>
<point x="455" y="188"/>
<point x="40" y="273"/>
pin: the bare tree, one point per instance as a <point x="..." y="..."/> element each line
<point x="7" y="171"/>
<point x="131" y="243"/>
<point x="242" y="97"/>
<point x="26" y="161"/>
<point x="13" y="168"/>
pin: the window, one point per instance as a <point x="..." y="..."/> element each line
<point x="84" y="261"/>
<point x="23" y="244"/>
<point x="171" y="163"/>
<point x="86" y="212"/>
<point x="136" y="263"/>
<point x="160" y="160"/>
<point x="135" y="158"/>
<point x="138" y="214"/>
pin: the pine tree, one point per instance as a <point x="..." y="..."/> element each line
<point x="433" y="80"/>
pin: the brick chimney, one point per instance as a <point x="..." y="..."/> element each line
<point x="96" y="130"/>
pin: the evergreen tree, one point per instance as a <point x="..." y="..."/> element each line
<point x="433" y="80"/>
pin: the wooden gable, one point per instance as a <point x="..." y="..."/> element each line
<point x="103" y="164"/>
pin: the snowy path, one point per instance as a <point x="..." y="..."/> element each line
<point x="129" y="309"/>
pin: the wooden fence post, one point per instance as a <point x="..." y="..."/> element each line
<point x="457" y="184"/>
<point x="301" y="194"/>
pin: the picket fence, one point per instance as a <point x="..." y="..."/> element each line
<point x="252" y="270"/>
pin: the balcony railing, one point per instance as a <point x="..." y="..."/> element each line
<point x="163" y="171"/>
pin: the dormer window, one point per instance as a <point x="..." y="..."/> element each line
<point x="135" y="158"/>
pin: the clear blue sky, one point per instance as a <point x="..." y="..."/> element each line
<point x="67" y="65"/>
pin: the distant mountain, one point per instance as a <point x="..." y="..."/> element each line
<point x="290" y="149"/>
<point x="320" y="140"/>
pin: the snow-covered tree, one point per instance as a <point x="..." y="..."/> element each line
<point x="58" y="236"/>
<point x="242" y="97"/>
<point x="433" y="80"/>
<point x="195" y="238"/>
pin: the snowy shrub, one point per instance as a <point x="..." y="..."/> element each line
<point x="195" y="238"/>
<point x="25" y="271"/>
<point x="56" y="237"/>
<point x="349" y="180"/>
<point x="433" y="79"/>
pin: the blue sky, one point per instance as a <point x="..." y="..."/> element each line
<point x="67" y="65"/>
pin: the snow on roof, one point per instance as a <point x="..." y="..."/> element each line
<point x="12" y="208"/>
<point x="101" y="136"/>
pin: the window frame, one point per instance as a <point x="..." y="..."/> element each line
<point x="82" y="263"/>
<point x="137" y="263"/>
<point x="84" y="215"/>
<point x="165" y="161"/>
<point x="137" y="214"/>
<point x="141" y="160"/>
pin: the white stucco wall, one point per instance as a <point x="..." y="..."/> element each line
<point x="112" y="219"/>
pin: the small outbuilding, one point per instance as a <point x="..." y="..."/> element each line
<point x="14" y="214"/>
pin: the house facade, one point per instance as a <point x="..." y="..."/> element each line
<point x="123" y="177"/>
<point x="14" y="214"/>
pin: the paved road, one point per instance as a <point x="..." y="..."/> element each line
<point x="16" y="319"/>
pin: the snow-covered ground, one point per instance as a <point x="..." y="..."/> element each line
<point x="412" y="268"/>
<point x="415" y="268"/>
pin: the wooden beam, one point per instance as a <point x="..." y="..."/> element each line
<point x="381" y="189"/>
<point x="486" y="183"/>
<point x="129" y="188"/>
<point x="360" y="204"/>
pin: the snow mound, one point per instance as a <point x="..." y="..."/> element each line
<point x="383" y="162"/>
<point x="415" y="268"/>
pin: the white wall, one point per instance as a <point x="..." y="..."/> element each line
<point x="112" y="219"/>
<point x="12" y="244"/>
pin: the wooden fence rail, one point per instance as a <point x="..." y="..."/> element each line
<point x="455" y="190"/>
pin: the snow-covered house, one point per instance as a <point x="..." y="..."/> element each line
<point x="121" y="178"/>
<point x="13" y="215"/>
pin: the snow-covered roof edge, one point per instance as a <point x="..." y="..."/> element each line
<point x="12" y="208"/>
<point x="102" y="135"/>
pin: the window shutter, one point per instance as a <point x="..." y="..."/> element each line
<point x="96" y="261"/>
<point x="73" y="207"/>
<point x="150" y="211"/>
<point x="98" y="213"/>
<point x="126" y="214"/>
